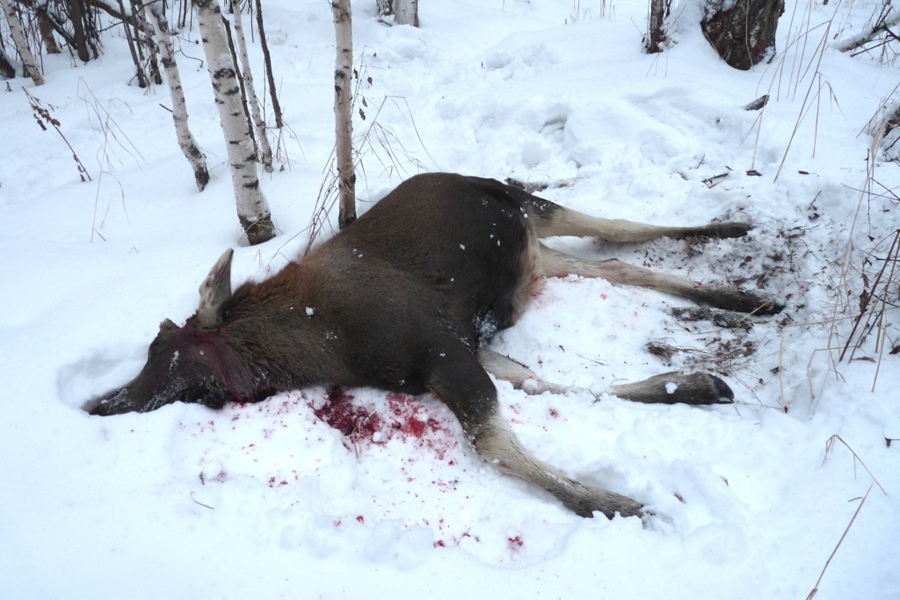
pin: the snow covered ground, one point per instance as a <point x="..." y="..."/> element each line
<point x="361" y="494"/>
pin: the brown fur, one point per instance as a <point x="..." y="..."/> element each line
<point x="406" y="299"/>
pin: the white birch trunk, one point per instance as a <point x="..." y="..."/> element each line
<point x="192" y="152"/>
<point x="252" y="209"/>
<point x="15" y="28"/>
<point x="265" y="150"/>
<point x="343" y="119"/>
<point x="406" y="12"/>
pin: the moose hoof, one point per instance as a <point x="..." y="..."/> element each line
<point x="728" y="230"/>
<point x="674" y="387"/>
<point x="729" y="298"/>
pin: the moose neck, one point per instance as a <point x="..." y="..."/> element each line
<point x="282" y="332"/>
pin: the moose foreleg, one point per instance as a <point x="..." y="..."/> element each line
<point x="456" y="377"/>
<point x="495" y="442"/>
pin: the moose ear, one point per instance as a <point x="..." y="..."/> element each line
<point x="215" y="291"/>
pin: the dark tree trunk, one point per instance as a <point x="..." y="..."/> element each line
<point x="742" y="31"/>
<point x="134" y="42"/>
<point x="656" y="36"/>
<point x="77" y="16"/>
<point x="270" y="76"/>
<point x="45" y="26"/>
<point x="7" y="69"/>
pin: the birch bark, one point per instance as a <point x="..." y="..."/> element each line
<point x="193" y="154"/>
<point x="343" y="119"/>
<point x="252" y="208"/>
<point x="265" y="150"/>
<point x="406" y="12"/>
<point x="15" y="28"/>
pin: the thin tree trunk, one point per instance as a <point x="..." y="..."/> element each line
<point x="656" y="37"/>
<point x="265" y="150"/>
<point x="15" y="28"/>
<point x="143" y="33"/>
<point x="240" y="79"/>
<point x="76" y="15"/>
<point x="343" y="120"/>
<point x="7" y="69"/>
<point x="252" y="208"/>
<point x="192" y="152"/>
<point x="55" y="21"/>
<point x="276" y="107"/>
<point x="406" y="12"/>
<point x="133" y="43"/>
<point x="45" y="26"/>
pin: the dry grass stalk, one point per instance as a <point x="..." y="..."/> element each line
<point x="815" y="588"/>
<point x="43" y="117"/>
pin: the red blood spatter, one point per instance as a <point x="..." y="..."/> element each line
<point x="403" y="417"/>
<point x="411" y="426"/>
<point x="361" y="518"/>
<point x="515" y="542"/>
<point x="554" y="413"/>
<point x="339" y="412"/>
<point x="408" y="422"/>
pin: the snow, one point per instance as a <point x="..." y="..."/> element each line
<point x="323" y="493"/>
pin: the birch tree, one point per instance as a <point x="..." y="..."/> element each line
<point x="265" y="150"/>
<point x="405" y="12"/>
<point x="15" y="28"/>
<point x="252" y="208"/>
<point x="157" y="19"/>
<point x="343" y="119"/>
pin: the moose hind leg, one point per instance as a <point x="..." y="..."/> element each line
<point x="558" y="264"/>
<point x="551" y="219"/>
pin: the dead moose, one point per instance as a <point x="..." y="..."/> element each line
<point x="406" y="299"/>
